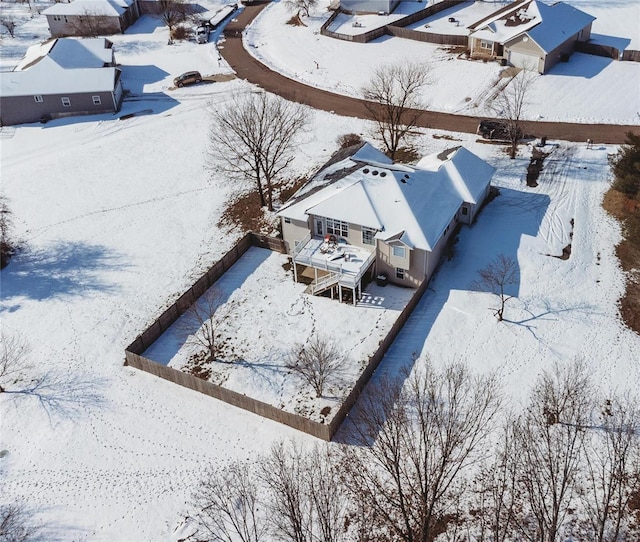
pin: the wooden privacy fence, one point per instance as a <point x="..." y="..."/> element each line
<point x="397" y="28"/>
<point x="597" y="49"/>
<point x="607" y="51"/>
<point x="427" y="37"/>
<point x="134" y="357"/>
<point x="630" y="55"/>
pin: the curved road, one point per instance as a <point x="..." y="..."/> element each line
<point x="247" y="67"/>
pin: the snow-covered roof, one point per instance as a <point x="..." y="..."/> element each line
<point x="110" y="8"/>
<point x="548" y="25"/>
<point x="70" y="53"/>
<point x="413" y="204"/>
<point x="63" y="65"/>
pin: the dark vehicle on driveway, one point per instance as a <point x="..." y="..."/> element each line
<point x="187" y="78"/>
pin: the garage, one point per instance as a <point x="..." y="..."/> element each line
<point x="523" y="60"/>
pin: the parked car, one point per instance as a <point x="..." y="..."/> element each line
<point x="187" y="78"/>
<point x="202" y="34"/>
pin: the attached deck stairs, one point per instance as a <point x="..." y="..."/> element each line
<point x="323" y="284"/>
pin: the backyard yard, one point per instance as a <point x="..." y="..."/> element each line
<point x="254" y="302"/>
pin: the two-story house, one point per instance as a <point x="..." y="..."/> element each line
<point x="361" y="213"/>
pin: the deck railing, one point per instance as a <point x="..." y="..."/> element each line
<point x="301" y="245"/>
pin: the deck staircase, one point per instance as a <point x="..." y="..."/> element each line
<point x="323" y="284"/>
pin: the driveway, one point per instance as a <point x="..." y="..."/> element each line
<point x="247" y="67"/>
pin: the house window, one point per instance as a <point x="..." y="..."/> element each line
<point x="368" y="236"/>
<point x="399" y="273"/>
<point x="38" y="99"/>
<point x="337" y="227"/>
<point x="66" y="102"/>
<point x="486" y="44"/>
<point x="398" y="251"/>
<point x="96" y="100"/>
<point x="465" y="211"/>
<point x="287" y="220"/>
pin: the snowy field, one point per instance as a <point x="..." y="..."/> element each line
<point x="118" y="218"/>
<point x="259" y="299"/>
<point x="587" y="89"/>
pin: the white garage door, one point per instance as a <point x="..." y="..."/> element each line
<point x="522" y="60"/>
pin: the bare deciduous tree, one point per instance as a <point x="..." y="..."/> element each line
<point x="7" y="244"/>
<point x="301" y="7"/>
<point x="317" y="361"/>
<point x="496" y="504"/>
<point x="90" y="24"/>
<point x="612" y="458"/>
<point x="303" y="498"/>
<point x="10" y="23"/>
<point x="327" y="493"/>
<point x="414" y="443"/>
<point x="306" y="500"/>
<point x="16" y="524"/>
<point x="289" y="510"/>
<point x="496" y="277"/>
<point x="511" y="104"/>
<point x="227" y="504"/>
<point x="393" y="99"/>
<point x="172" y="13"/>
<point x="549" y="437"/>
<point x="13" y="358"/>
<point x="202" y="321"/>
<point x="254" y="135"/>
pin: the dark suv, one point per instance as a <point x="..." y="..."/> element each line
<point x="187" y="78"/>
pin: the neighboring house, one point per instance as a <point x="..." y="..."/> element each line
<point x="91" y="17"/>
<point x="530" y="34"/>
<point x="368" y="6"/>
<point x="61" y="77"/>
<point x="361" y="213"/>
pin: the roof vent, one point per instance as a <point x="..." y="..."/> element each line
<point x="374" y="172"/>
<point x="365" y="170"/>
<point x="383" y="174"/>
<point x="403" y="181"/>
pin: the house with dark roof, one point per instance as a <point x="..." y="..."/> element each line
<point x="59" y="78"/>
<point x="91" y="17"/>
<point x="363" y="214"/>
<point x="530" y="34"/>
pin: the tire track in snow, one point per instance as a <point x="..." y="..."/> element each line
<point x="554" y="181"/>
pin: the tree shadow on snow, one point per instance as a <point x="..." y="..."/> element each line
<point x="167" y="346"/>
<point x="497" y="231"/>
<point x="59" y="270"/>
<point x="61" y="394"/>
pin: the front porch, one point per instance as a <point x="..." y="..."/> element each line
<point x="332" y="265"/>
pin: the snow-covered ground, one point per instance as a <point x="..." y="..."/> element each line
<point x="118" y="218"/>
<point x="587" y="89"/>
<point x="256" y="300"/>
